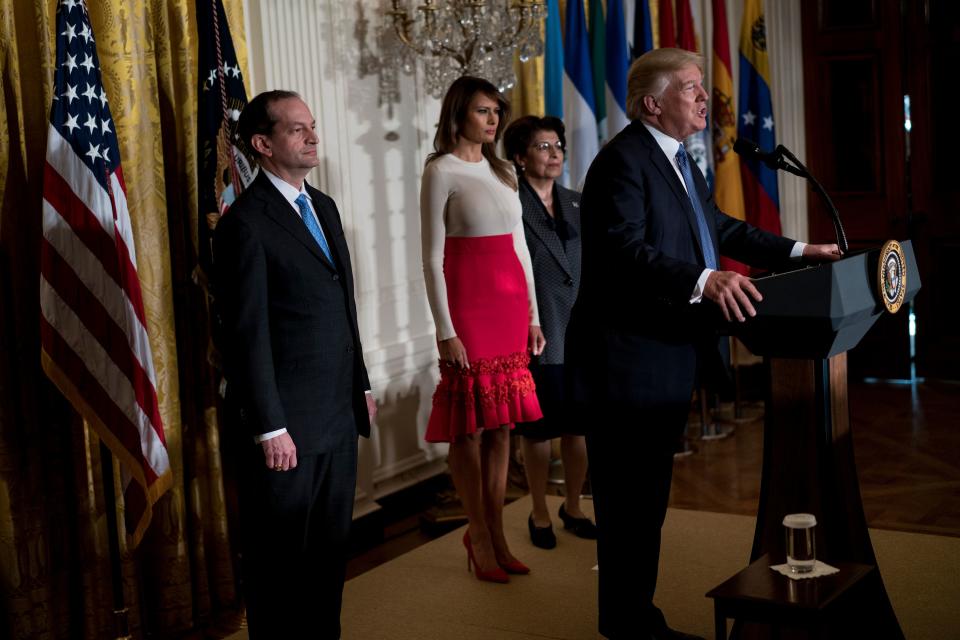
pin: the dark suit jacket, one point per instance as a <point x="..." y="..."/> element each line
<point x="634" y="338"/>
<point x="291" y="348"/>
<point x="556" y="269"/>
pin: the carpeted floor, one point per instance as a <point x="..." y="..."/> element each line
<point x="427" y="593"/>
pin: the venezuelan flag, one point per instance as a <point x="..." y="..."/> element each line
<point x="755" y="122"/>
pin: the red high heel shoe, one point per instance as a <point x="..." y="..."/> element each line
<point x="494" y="575"/>
<point x="514" y="566"/>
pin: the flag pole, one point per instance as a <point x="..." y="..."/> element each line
<point x="120" y="611"/>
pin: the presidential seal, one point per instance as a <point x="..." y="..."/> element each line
<point x="892" y="275"/>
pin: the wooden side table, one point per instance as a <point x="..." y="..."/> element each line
<point x="759" y="594"/>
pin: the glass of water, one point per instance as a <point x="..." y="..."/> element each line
<point x="801" y="549"/>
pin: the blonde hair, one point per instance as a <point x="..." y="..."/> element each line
<point x="650" y="74"/>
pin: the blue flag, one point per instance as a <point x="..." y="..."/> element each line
<point x="553" y="62"/>
<point x="578" y="99"/>
<point x="598" y="60"/>
<point x="642" y="29"/>
<point x="617" y="64"/>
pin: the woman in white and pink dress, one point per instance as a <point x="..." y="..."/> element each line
<point x="480" y="288"/>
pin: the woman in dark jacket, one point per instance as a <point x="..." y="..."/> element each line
<point x="551" y="223"/>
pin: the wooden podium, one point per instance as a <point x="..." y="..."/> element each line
<point x="806" y="322"/>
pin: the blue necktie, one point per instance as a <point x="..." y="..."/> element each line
<point x="312" y="226"/>
<point x="706" y="241"/>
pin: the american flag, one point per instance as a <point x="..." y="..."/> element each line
<point x="93" y="328"/>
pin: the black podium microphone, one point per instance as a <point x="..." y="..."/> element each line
<point x="751" y="150"/>
<point x="775" y="160"/>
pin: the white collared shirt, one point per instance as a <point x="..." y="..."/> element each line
<point x="291" y="193"/>
<point x="670" y="146"/>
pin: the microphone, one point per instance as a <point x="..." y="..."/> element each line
<point x="751" y="150"/>
<point x="775" y="160"/>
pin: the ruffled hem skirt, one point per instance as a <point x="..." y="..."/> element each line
<point x="487" y="295"/>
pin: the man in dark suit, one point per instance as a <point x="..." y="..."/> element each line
<point x="643" y="324"/>
<point x="295" y="375"/>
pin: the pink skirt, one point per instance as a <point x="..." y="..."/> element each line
<point x="487" y="294"/>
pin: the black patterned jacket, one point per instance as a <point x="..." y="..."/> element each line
<point x="556" y="265"/>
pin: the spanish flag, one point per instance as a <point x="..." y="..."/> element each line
<point x="728" y="190"/>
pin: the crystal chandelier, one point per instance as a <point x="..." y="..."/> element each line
<point x="453" y="38"/>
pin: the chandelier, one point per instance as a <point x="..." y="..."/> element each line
<point x="452" y="38"/>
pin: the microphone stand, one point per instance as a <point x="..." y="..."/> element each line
<point x="803" y="172"/>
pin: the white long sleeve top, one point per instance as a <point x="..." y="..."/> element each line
<point x="465" y="199"/>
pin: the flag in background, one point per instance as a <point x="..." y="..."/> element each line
<point x="578" y="100"/>
<point x="727" y="190"/>
<point x="618" y="60"/>
<point x="755" y="122"/>
<point x="698" y="144"/>
<point x="628" y="7"/>
<point x="668" y="32"/>
<point x="93" y="329"/>
<point x="598" y="63"/>
<point x="642" y="29"/>
<point x="223" y="170"/>
<point x="686" y="33"/>
<point x="553" y="62"/>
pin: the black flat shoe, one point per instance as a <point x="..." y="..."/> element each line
<point x="542" y="537"/>
<point x="581" y="527"/>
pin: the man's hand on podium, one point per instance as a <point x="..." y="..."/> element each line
<point x="732" y="292"/>
<point x="821" y="252"/>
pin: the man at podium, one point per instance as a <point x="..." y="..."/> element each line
<point x="644" y="324"/>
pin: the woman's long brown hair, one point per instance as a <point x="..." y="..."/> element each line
<point x="453" y="115"/>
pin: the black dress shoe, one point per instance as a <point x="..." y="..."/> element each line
<point x="542" y="537"/>
<point x="581" y="527"/>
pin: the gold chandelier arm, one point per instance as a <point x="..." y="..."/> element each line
<point x="471" y="33"/>
<point x="525" y="22"/>
<point x="401" y="26"/>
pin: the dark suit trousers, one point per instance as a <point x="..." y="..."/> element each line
<point x="295" y="528"/>
<point x="631" y="466"/>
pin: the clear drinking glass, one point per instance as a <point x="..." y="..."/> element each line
<point x="801" y="550"/>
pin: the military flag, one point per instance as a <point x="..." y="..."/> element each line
<point x="223" y="171"/>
